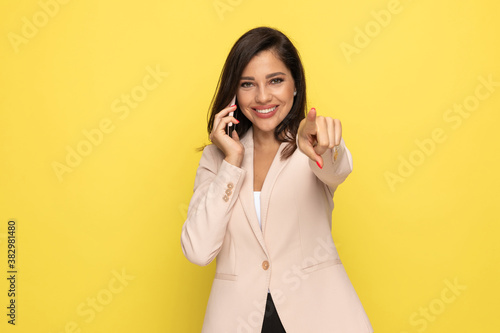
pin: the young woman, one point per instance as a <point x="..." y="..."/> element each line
<point x="263" y="208"/>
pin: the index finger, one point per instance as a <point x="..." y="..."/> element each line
<point x="224" y="112"/>
<point x="310" y="125"/>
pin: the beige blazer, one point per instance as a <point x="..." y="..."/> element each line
<point x="293" y="256"/>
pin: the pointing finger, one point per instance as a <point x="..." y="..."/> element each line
<point x="310" y="125"/>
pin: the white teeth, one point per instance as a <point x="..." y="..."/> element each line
<point x="266" y="110"/>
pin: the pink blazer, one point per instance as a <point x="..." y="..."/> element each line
<point x="293" y="256"/>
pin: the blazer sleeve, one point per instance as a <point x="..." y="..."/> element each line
<point x="215" y="192"/>
<point x="334" y="172"/>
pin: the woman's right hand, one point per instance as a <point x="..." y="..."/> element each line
<point x="231" y="147"/>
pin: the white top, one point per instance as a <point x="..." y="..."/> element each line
<point x="256" y="197"/>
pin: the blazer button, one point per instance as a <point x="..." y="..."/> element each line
<point x="230" y="185"/>
<point x="225" y="198"/>
<point x="228" y="192"/>
<point x="265" y="265"/>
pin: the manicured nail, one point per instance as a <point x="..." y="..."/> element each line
<point x="319" y="165"/>
<point x="233" y="105"/>
<point x="313" y="109"/>
<point x="237" y="121"/>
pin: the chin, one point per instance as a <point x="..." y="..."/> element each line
<point x="267" y="128"/>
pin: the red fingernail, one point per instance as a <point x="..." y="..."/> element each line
<point x="313" y="109"/>
<point x="319" y="165"/>
<point x="237" y="121"/>
<point x="232" y="105"/>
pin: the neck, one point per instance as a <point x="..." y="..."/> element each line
<point x="264" y="139"/>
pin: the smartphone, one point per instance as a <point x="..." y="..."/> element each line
<point x="230" y="126"/>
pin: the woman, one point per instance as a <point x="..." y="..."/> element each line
<point x="263" y="208"/>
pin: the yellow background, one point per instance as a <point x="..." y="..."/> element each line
<point x="121" y="209"/>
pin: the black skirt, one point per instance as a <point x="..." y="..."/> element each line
<point x="272" y="322"/>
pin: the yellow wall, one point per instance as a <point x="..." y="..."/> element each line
<point x="98" y="235"/>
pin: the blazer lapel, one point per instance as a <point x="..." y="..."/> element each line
<point x="246" y="195"/>
<point x="265" y="194"/>
<point x="246" y="192"/>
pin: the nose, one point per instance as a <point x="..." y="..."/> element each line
<point x="263" y="95"/>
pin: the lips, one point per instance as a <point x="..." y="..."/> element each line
<point x="266" y="111"/>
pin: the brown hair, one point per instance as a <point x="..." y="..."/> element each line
<point x="246" y="47"/>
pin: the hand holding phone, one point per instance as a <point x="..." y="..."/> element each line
<point x="224" y="124"/>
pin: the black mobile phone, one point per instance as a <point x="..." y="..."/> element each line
<point x="230" y="126"/>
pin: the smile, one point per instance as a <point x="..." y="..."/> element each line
<point x="268" y="112"/>
<point x="264" y="111"/>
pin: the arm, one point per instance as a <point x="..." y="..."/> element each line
<point x="209" y="209"/>
<point x="334" y="172"/>
<point x="317" y="138"/>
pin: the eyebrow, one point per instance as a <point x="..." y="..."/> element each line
<point x="267" y="76"/>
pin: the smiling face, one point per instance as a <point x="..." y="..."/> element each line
<point x="265" y="92"/>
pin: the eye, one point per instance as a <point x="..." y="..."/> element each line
<point x="246" y="84"/>
<point x="277" y="80"/>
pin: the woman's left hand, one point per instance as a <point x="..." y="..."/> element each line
<point x="317" y="134"/>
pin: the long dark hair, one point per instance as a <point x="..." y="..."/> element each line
<point x="246" y="47"/>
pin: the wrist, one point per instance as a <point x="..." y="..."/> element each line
<point x="234" y="160"/>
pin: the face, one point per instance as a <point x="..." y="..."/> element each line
<point x="265" y="92"/>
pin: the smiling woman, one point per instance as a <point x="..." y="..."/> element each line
<point x="266" y="91"/>
<point x="259" y="203"/>
<point x="241" y="76"/>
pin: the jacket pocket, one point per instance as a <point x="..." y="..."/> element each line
<point x="321" y="265"/>
<point x="223" y="276"/>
